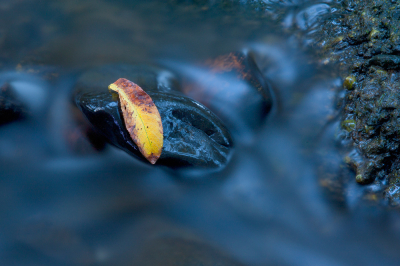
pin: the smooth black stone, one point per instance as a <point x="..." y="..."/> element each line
<point x="11" y="108"/>
<point x="193" y="135"/>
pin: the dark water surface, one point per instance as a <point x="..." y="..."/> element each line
<point x="64" y="203"/>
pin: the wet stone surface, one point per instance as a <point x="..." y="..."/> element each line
<point x="11" y="108"/>
<point x="362" y="39"/>
<point x="193" y="136"/>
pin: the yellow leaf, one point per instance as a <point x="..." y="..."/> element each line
<point x="142" y="119"/>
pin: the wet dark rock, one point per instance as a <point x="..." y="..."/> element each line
<point x="392" y="192"/>
<point x="11" y="108"/>
<point x="233" y="87"/>
<point x="386" y="61"/>
<point x="81" y="138"/>
<point x="193" y="136"/>
<point x="364" y="37"/>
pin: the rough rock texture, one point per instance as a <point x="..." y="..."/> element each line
<point x="363" y="38"/>
<point x="193" y="136"/>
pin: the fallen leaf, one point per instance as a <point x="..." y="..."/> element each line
<point x="142" y="119"/>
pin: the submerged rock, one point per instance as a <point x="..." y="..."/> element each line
<point x="153" y="240"/>
<point x="233" y="87"/>
<point x="193" y="135"/>
<point x="61" y="244"/>
<point x="11" y="108"/>
<point x="173" y="251"/>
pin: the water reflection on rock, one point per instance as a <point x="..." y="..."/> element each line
<point x="305" y="15"/>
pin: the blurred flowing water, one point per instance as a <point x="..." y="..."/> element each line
<point x="63" y="205"/>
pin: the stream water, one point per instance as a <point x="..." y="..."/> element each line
<point x="63" y="203"/>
